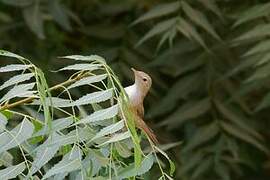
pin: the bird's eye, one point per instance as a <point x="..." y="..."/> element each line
<point x="144" y="79"/>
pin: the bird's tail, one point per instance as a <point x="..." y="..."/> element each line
<point x="147" y="130"/>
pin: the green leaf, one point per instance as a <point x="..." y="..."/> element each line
<point x="109" y="130"/>
<point x="237" y="120"/>
<point x="57" y="125"/>
<point x="59" y="14"/>
<point x="202" y="168"/>
<point x="260" y="73"/>
<point x="6" y="159"/>
<point x="33" y="17"/>
<point x="16" y="136"/>
<point x="259" y="48"/>
<point x="199" y="18"/>
<point x="258" y="31"/>
<point x="123" y="149"/>
<point x="12" y="171"/>
<point x="211" y="5"/>
<point x="16" y="79"/>
<point x="10" y="54"/>
<point x="101" y="115"/>
<point x="88" y="80"/>
<point x="21" y="90"/>
<point x="86" y="58"/>
<point x="172" y="166"/>
<point x="44" y="153"/>
<point x="265" y="59"/>
<point x="131" y="171"/>
<point x="116" y="138"/>
<point x="256" y="11"/>
<point x="53" y="101"/>
<point x="3" y="122"/>
<point x="223" y="171"/>
<point x="94" y="97"/>
<point x="14" y="67"/>
<point x="69" y="163"/>
<point x="189" y="31"/>
<point x="188" y="111"/>
<point x="158" y="29"/>
<point x="264" y="103"/>
<point x="203" y="135"/>
<point x="179" y="90"/>
<point x="82" y="66"/>
<point x="158" y="11"/>
<point x="238" y="132"/>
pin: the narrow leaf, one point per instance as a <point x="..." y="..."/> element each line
<point x="199" y="18"/>
<point x="237" y="132"/>
<point x="158" y="29"/>
<point x="159" y="10"/>
<point x="14" y="67"/>
<point x="109" y="130"/>
<point x="86" y="67"/>
<point x="16" y="79"/>
<point x="85" y="58"/>
<point x="116" y="138"/>
<point x="101" y="115"/>
<point x="18" y="91"/>
<point x="45" y="153"/>
<point x="88" y="80"/>
<point x="95" y="97"/>
<point x="12" y="171"/>
<point x="10" y="54"/>
<point x="16" y="136"/>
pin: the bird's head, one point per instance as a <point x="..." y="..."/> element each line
<point x="142" y="80"/>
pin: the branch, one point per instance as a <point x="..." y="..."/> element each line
<point x="30" y="99"/>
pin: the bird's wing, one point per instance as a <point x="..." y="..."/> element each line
<point x="140" y="111"/>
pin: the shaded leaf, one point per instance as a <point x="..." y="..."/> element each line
<point x="159" y="10"/>
<point x="203" y="135"/>
<point x="199" y="18"/>
<point x="158" y="29"/>
<point x="33" y="17"/>
<point x="237" y="132"/>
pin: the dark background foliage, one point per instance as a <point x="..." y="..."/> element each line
<point x="209" y="60"/>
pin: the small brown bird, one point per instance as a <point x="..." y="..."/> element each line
<point x="136" y="94"/>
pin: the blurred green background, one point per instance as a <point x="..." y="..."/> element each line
<point x="209" y="60"/>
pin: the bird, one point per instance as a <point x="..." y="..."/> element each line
<point x="136" y="93"/>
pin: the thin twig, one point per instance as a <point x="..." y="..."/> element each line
<point x="30" y="99"/>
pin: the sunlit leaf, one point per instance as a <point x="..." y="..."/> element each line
<point x="101" y="115"/>
<point x="109" y="130"/>
<point x="16" y="136"/>
<point x="16" y="79"/>
<point x="12" y="171"/>
<point x="14" y="67"/>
